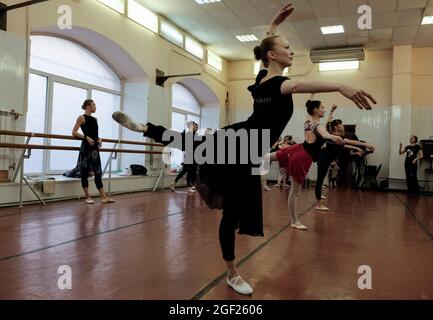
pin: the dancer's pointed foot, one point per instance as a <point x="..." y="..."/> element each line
<point x="299" y="226"/>
<point x="126" y="121"/>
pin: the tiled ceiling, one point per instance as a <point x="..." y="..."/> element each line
<point x="395" y="22"/>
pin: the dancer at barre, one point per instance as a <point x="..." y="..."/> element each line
<point x="89" y="159"/>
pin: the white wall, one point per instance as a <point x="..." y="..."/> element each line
<point x="13" y="66"/>
<point x="422" y="127"/>
<point x="12" y="72"/>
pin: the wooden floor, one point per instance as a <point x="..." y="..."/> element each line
<point x="165" y="246"/>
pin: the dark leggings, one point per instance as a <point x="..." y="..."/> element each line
<point x="411" y="177"/>
<point x="189" y="170"/>
<point x="85" y="181"/>
<point x="322" y="169"/>
<point x="227" y="236"/>
<point x="229" y="222"/>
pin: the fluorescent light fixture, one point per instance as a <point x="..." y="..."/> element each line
<point x="214" y="61"/>
<point x="427" y="20"/>
<point x="338" y="65"/>
<point x="171" y="33"/>
<point x="247" y="38"/>
<point x="206" y="1"/>
<point x="142" y="15"/>
<point x="194" y="47"/>
<point x="118" y="5"/>
<point x="332" y="29"/>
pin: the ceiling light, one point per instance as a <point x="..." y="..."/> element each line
<point x="339" y="65"/>
<point x="247" y="38"/>
<point x="332" y="29"/>
<point x="427" y="20"/>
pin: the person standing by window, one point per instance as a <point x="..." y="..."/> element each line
<point x="89" y="159"/>
<point x="413" y="154"/>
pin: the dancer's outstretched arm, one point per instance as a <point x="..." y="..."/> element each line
<point x="347" y="146"/>
<point x="358" y="96"/>
<point x="326" y="135"/>
<point x="359" y="143"/>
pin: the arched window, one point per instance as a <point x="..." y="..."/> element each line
<point x="185" y="107"/>
<point x="62" y="75"/>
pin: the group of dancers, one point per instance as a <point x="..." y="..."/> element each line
<point x="272" y="110"/>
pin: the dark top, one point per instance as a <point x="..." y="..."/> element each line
<point x="272" y="109"/>
<point x="330" y="152"/>
<point x="411" y="152"/>
<point x="90" y="127"/>
<point x="313" y="148"/>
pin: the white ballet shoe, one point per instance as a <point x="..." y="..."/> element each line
<point x="266" y="188"/>
<point x="89" y="201"/>
<point x="239" y="285"/>
<point x="126" y="121"/>
<point x="322" y="208"/>
<point x="324" y="198"/>
<point x="108" y="200"/>
<point x="172" y="187"/>
<point x="299" y="226"/>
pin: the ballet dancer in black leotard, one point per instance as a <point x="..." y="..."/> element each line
<point x="413" y="154"/>
<point x="89" y="159"/>
<point x="273" y="108"/>
<point x="330" y="152"/>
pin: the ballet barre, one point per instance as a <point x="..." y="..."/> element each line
<point x="27" y="147"/>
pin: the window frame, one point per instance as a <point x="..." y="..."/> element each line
<point x="51" y="79"/>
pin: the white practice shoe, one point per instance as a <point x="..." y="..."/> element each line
<point x="299" y="226"/>
<point x="322" y="208"/>
<point x="240" y="285"/>
<point x="126" y="121"/>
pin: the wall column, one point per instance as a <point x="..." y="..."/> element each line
<point x="401" y="108"/>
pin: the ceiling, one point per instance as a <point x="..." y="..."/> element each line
<point x="395" y="22"/>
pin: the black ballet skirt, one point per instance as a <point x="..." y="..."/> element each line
<point x="232" y="187"/>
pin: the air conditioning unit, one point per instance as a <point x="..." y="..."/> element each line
<point x="340" y="54"/>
